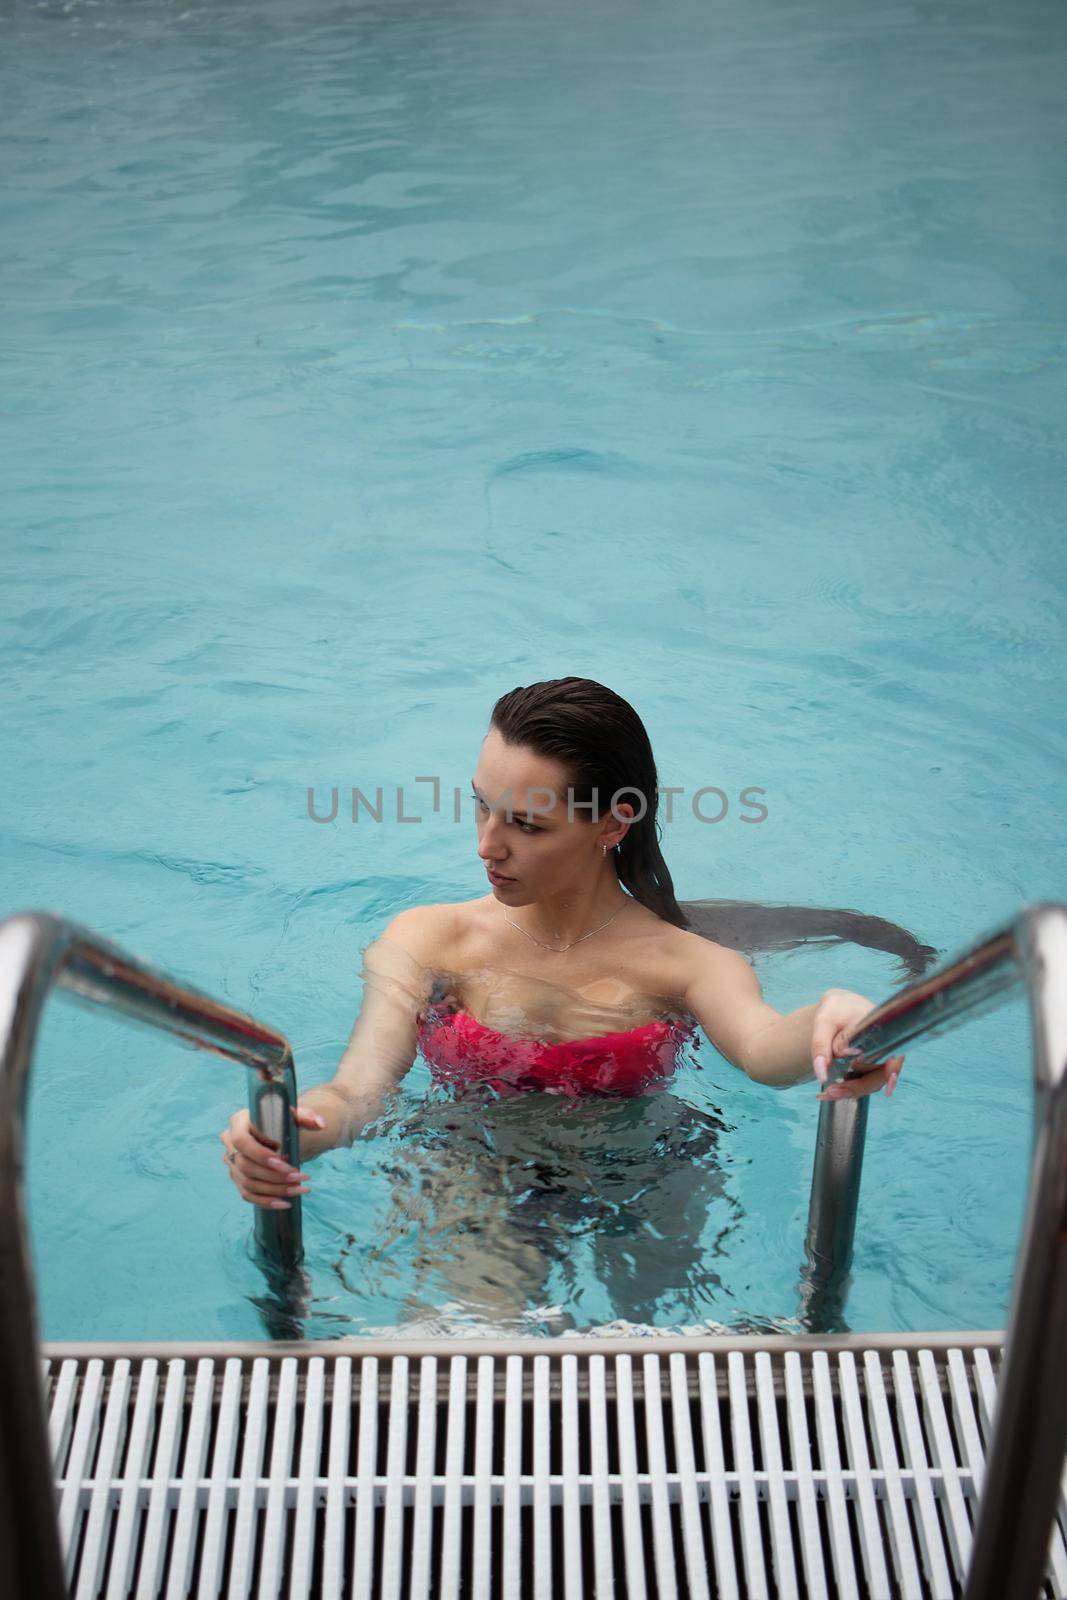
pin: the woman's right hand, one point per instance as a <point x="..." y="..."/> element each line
<point x="262" y="1175"/>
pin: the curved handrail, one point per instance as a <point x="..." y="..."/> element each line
<point x="968" y="984"/>
<point x="1026" y="1454"/>
<point x="40" y="950"/>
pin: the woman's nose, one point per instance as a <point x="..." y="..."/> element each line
<point x="488" y="849"/>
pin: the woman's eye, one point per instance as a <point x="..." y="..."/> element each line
<point x="527" y="827"/>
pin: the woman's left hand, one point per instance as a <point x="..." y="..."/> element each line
<point x="839" y="1014"/>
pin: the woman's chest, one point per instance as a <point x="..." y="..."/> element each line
<point x="526" y="995"/>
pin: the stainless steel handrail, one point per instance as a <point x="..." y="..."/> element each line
<point x="1026" y="1454"/>
<point x="968" y="984"/>
<point x="39" y="950"/>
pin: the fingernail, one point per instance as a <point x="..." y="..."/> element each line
<point x="319" y="1123"/>
<point x="820" y="1068"/>
<point x="280" y="1205"/>
<point x="278" y="1164"/>
<point x="891" y="1085"/>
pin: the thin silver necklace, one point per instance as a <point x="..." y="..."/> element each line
<point x="559" y="949"/>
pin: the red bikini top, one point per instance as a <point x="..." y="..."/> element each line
<point x="460" y="1049"/>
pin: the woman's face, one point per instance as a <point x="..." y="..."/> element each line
<point x="540" y="851"/>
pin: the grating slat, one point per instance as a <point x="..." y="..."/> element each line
<point x="807" y="1505"/>
<point x="957" y="1522"/>
<point x="598" y="1446"/>
<point x="963" y="1415"/>
<point x="830" y="1455"/>
<point x="885" y="1454"/>
<point x="542" y="1491"/>
<point x="483" y="1463"/>
<point x="631" y="1500"/>
<point x="512" y="1464"/>
<point x="181" y="1564"/>
<point x="862" y="1456"/>
<point x="454" y="1445"/>
<point x="366" y="1475"/>
<point x="100" y="1506"/>
<point x="255" y="1434"/>
<point x="695" y="1565"/>
<point x="130" y="1501"/>
<point x="859" y="1462"/>
<point x="149" y="1581"/>
<point x="85" y="1431"/>
<point x="930" y="1543"/>
<point x="421" y="1553"/>
<point x="61" y="1417"/>
<point x="722" y="1536"/>
<point x="662" y="1543"/>
<point x="752" y="1540"/>
<point x="270" y="1571"/>
<point x="218" y="1499"/>
<point x="572" y="1527"/>
<point x="781" y="1533"/>
<point x="396" y="1450"/>
<point x="333" y="1555"/>
<point x="303" y="1557"/>
<point x="986" y="1385"/>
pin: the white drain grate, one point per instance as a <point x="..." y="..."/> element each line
<point x="666" y="1473"/>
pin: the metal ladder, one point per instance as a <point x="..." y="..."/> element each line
<point x="821" y="1465"/>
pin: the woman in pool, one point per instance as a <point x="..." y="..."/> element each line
<point x="579" y="971"/>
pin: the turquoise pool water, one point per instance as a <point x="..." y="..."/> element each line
<point x="362" y="362"/>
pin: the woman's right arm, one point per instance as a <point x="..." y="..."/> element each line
<point x="397" y="979"/>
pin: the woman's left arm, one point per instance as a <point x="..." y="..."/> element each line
<point x="724" y="995"/>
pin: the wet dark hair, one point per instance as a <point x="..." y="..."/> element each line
<point x="601" y="744"/>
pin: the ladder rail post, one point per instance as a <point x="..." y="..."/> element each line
<point x="836" y="1176"/>
<point x="40" y="951"/>
<point x="1025" y="1455"/>
<point x="977" y="979"/>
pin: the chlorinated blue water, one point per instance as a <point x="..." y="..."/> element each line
<point x="364" y="361"/>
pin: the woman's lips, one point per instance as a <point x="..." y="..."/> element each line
<point x="497" y="877"/>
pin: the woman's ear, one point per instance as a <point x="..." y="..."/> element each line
<point x="621" y="815"/>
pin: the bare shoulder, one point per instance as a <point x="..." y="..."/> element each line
<point x="431" y="933"/>
<point x="697" y="960"/>
<point x="664" y="959"/>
